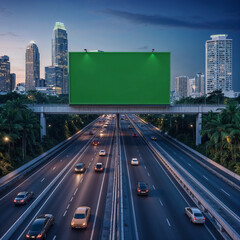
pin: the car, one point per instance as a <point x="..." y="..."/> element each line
<point x="102" y="153"/>
<point x="94" y="128"/>
<point x="134" y="161"/>
<point x="142" y="188"/>
<point x="130" y="126"/>
<point x="96" y="142"/>
<point x="195" y="215"/>
<point x="81" y="217"/>
<point x="105" y="125"/>
<point x="80" y="168"/>
<point x="40" y="227"/>
<point x="98" y="167"/>
<point x="90" y="132"/>
<point x="134" y="135"/>
<point x="154" y="138"/>
<point x="23" y="198"/>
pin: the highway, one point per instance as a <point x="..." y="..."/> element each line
<point x="161" y="214"/>
<point x="157" y="216"/>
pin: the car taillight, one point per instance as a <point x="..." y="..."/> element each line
<point x="39" y="235"/>
<point x="15" y="200"/>
<point x="101" y="168"/>
<point x="22" y="201"/>
<point x="203" y="218"/>
<point x="146" y="190"/>
<point x="194" y="218"/>
<point x="139" y="190"/>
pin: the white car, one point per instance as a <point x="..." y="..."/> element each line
<point x="134" y="161"/>
<point x="102" y="153"/>
<point x="195" y="215"/>
<point x="105" y="125"/>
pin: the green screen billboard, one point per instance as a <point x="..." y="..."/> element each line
<point x="119" y="78"/>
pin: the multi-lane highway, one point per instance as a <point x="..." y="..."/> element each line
<point x="59" y="191"/>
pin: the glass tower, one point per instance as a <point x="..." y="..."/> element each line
<point x="4" y="74"/>
<point x="32" y="66"/>
<point x="60" y="53"/>
<point x="218" y="63"/>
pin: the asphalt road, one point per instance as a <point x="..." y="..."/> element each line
<point x="161" y="214"/>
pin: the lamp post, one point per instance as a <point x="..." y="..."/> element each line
<point x="6" y="139"/>
<point x="191" y="126"/>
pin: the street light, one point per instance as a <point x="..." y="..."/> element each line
<point x="6" y="139"/>
<point x="191" y="126"/>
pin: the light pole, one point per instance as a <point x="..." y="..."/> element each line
<point x="191" y="126"/>
<point x="6" y="139"/>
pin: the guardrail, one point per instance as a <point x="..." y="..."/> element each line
<point x="190" y="190"/>
<point x="28" y="167"/>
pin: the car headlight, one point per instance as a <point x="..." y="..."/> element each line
<point x="84" y="224"/>
<point x="72" y="223"/>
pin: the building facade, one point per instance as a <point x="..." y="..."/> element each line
<point x="60" y="53"/>
<point x="200" y="84"/>
<point x="32" y="66"/>
<point x="5" y="76"/>
<point x="182" y="86"/>
<point x="53" y="78"/>
<point x="218" y="63"/>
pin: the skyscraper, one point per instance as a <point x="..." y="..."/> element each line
<point x="32" y="66"/>
<point x="12" y="81"/>
<point x="4" y="74"/>
<point x="181" y="86"/>
<point x="60" y="53"/>
<point x="218" y="63"/>
<point x="53" y="78"/>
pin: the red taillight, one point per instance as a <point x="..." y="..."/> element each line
<point x="101" y="169"/>
<point x="139" y="190"/>
<point x="146" y="190"/>
<point x="22" y="201"/>
<point x="39" y="235"/>
<point x="15" y="200"/>
<point x="194" y="218"/>
<point x="203" y="218"/>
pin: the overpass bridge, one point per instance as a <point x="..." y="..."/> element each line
<point x="194" y="109"/>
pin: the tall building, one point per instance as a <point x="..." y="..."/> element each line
<point x="12" y="81"/>
<point x="191" y="86"/>
<point x="32" y="66"/>
<point x="5" y="77"/>
<point x="200" y="84"/>
<point x="182" y="86"/>
<point x="53" y="78"/>
<point x="60" y="53"/>
<point x="218" y="63"/>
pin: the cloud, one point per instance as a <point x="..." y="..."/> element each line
<point x="232" y="24"/>
<point x="9" y="34"/>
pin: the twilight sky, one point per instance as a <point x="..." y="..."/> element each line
<point x="177" y="26"/>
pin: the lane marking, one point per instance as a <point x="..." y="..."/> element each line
<point x="54" y="237"/>
<point x="64" y="213"/>
<point x="145" y="167"/>
<point x="225" y="192"/>
<point x="160" y="202"/>
<point x="42" y="179"/>
<point x="54" y="168"/>
<point x="75" y="191"/>
<point x="71" y="199"/>
<point x="168" y="223"/>
<point x="68" y="206"/>
<point x="205" y="177"/>
<point x="81" y="180"/>
<point x="148" y="174"/>
<point x="153" y="187"/>
<point x="189" y="164"/>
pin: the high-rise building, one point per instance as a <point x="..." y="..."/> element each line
<point x="4" y="74"/>
<point x="191" y="87"/>
<point x="218" y="63"/>
<point x="60" y="53"/>
<point x="182" y="86"/>
<point x="200" y="84"/>
<point x="12" y="81"/>
<point x="53" y="78"/>
<point x="32" y="66"/>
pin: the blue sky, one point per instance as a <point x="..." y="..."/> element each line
<point x="177" y="26"/>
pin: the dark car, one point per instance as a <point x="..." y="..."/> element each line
<point x="134" y="135"/>
<point x="40" y="227"/>
<point x="98" y="167"/>
<point x="23" y="198"/>
<point x="90" y="133"/>
<point x="96" y="142"/>
<point x="80" y="168"/>
<point x="154" y="138"/>
<point x="142" y="188"/>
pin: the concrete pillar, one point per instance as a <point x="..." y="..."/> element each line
<point x="198" y="128"/>
<point x="43" y="125"/>
<point x="118" y="121"/>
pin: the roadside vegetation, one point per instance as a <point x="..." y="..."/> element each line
<point x="220" y="132"/>
<point x="20" y="128"/>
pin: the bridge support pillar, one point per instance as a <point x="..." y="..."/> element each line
<point x="118" y="121"/>
<point x="43" y="125"/>
<point x="198" y="128"/>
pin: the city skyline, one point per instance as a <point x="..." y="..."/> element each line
<point x="112" y="26"/>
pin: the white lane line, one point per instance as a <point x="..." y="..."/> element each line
<point x="81" y="180"/>
<point x="168" y="223"/>
<point x="148" y="174"/>
<point x="86" y="171"/>
<point x="145" y="167"/>
<point x="225" y="192"/>
<point x="64" y="213"/>
<point x="189" y="164"/>
<point x="205" y="177"/>
<point x="54" y="237"/>
<point x="89" y="164"/>
<point x="71" y="199"/>
<point x="54" y="168"/>
<point x="92" y="159"/>
<point x="160" y="202"/>
<point x="61" y="160"/>
<point x="75" y="191"/>
<point x="42" y="179"/>
<point x="154" y="187"/>
<point x="68" y="206"/>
